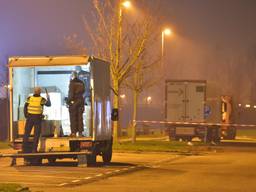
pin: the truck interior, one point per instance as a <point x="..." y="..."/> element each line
<point x="56" y="81"/>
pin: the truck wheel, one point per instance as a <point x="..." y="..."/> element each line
<point x="36" y="161"/>
<point x="171" y="133"/>
<point x="231" y="134"/>
<point x="91" y="159"/>
<point x="107" y="155"/>
<point x="107" y="151"/>
<point x="175" y="138"/>
<point x="51" y="160"/>
<point x="187" y="138"/>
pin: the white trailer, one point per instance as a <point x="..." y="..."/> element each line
<point x="199" y="110"/>
<point x="53" y="73"/>
<point x="185" y="102"/>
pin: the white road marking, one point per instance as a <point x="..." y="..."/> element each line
<point x="23" y="171"/>
<point x="28" y="171"/>
<point x="62" y="184"/>
<point x="75" y="181"/>
<point x="29" y="183"/>
<point x="20" y="174"/>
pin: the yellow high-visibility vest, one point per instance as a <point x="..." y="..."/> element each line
<point x="34" y="105"/>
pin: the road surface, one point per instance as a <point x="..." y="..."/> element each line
<point x="220" y="169"/>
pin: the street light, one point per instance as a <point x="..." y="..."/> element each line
<point x="122" y="4"/>
<point x="165" y="32"/>
<point x="149" y="100"/>
<point x="123" y="96"/>
<point x="126" y="4"/>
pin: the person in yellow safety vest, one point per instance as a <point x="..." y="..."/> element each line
<point x="33" y="111"/>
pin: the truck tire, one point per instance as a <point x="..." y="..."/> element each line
<point x="107" y="155"/>
<point x="36" y="161"/>
<point x="176" y="138"/>
<point x="231" y="133"/>
<point x="187" y="138"/>
<point x="171" y="133"/>
<point x="51" y="160"/>
<point x="91" y="159"/>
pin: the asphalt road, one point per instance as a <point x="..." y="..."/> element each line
<point x="221" y="169"/>
<point x="65" y="174"/>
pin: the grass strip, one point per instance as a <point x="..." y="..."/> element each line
<point x="4" y="145"/>
<point x="246" y="132"/>
<point x="4" y="187"/>
<point x="154" y="146"/>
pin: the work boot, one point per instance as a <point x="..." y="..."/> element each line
<point x="34" y="151"/>
<point x="80" y="134"/>
<point x="27" y="162"/>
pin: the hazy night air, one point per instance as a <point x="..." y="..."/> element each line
<point x="214" y="40"/>
<point x="146" y="95"/>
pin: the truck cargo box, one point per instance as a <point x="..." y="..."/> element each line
<point x="185" y="102"/>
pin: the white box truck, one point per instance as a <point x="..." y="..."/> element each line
<point x="185" y="102"/>
<point x="194" y="108"/>
<point x="53" y="73"/>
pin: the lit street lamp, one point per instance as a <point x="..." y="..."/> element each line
<point x="126" y="4"/>
<point x="149" y="100"/>
<point x="123" y="96"/>
<point x="165" y="32"/>
<point x="121" y="5"/>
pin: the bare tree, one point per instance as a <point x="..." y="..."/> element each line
<point x="116" y="39"/>
<point x="234" y="73"/>
<point x="145" y="74"/>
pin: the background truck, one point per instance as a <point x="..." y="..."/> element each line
<point x="185" y="102"/>
<point x="221" y="111"/>
<point x="196" y="110"/>
<point x="53" y="73"/>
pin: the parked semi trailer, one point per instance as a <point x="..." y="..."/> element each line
<point x="195" y="103"/>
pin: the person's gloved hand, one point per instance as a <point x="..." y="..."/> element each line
<point x="67" y="101"/>
<point x="47" y="94"/>
<point x="26" y="115"/>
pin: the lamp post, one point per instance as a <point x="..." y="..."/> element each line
<point x="121" y="5"/>
<point x="127" y="5"/>
<point x="165" y="32"/>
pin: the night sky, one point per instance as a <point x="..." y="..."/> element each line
<point x="214" y="40"/>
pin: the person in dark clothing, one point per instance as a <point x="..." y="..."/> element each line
<point x="76" y="105"/>
<point x="33" y="111"/>
<point x="85" y="77"/>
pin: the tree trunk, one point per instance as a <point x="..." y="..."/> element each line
<point x="115" y="106"/>
<point x="134" y="116"/>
